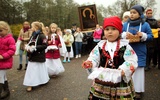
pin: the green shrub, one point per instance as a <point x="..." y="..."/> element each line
<point x="15" y="30"/>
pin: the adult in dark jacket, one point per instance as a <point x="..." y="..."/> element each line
<point x="158" y="42"/>
<point x="36" y="73"/>
<point x="152" y="49"/>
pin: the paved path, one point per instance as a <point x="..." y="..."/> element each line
<point x="70" y="85"/>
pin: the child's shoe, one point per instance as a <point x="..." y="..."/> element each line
<point x="29" y="89"/>
<point x="76" y="56"/>
<point x="64" y="61"/>
<point x="69" y="61"/>
<point x="79" y="55"/>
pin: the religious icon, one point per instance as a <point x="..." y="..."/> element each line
<point x="88" y="17"/>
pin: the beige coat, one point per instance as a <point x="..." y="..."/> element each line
<point x="68" y="39"/>
<point x="24" y="37"/>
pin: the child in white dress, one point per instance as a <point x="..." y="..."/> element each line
<point x="53" y="61"/>
<point x="36" y="73"/>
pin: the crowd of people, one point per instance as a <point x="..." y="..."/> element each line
<point x="121" y="52"/>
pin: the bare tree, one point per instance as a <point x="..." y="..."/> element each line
<point x="120" y="6"/>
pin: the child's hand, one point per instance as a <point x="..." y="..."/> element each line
<point x="49" y="42"/>
<point x="139" y="34"/>
<point x="87" y="64"/>
<point x="67" y="43"/>
<point x="122" y="72"/>
<point x="128" y="35"/>
<point x="1" y="57"/>
<point x="59" y="45"/>
<point x="56" y="36"/>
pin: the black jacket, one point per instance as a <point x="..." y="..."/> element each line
<point x="39" y="54"/>
<point x="152" y="22"/>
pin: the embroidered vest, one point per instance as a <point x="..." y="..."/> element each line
<point x="117" y="61"/>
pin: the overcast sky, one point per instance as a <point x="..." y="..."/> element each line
<point x="109" y="2"/>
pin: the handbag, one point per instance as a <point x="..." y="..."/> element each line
<point x="18" y="43"/>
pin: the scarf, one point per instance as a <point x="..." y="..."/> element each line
<point x="25" y="29"/>
<point x="36" y="32"/>
<point x="136" y="22"/>
<point x="150" y="18"/>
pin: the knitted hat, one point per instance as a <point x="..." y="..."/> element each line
<point x="148" y="10"/>
<point x="127" y="13"/>
<point x="139" y="9"/>
<point x="113" y="21"/>
<point x="69" y="31"/>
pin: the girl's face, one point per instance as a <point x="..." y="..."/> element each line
<point x="58" y="30"/>
<point x="134" y="14"/>
<point x="78" y="29"/>
<point x="3" y="32"/>
<point x="67" y="33"/>
<point x="53" y="29"/>
<point x="97" y="26"/>
<point x="111" y="33"/>
<point x="25" y="24"/>
<point x="64" y="31"/>
<point x="125" y="18"/>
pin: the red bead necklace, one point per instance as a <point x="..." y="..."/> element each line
<point x="108" y="59"/>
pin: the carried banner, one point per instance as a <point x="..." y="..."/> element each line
<point x="88" y="17"/>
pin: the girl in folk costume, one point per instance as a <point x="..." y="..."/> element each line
<point x="138" y="32"/>
<point x="112" y="63"/>
<point x="24" y="36"/>
<point x="7" y="50"/>
<point x="68" y="39"/>
<point x="53" y="62"/>
<point x="36" y="73"/>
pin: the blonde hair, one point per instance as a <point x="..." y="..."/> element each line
<point x="5" y="25"/>
<point x="58" y="28"/>
<point x="53" y="25"/>
<point x="43" y="28"/>
<point x="37" y="24"/>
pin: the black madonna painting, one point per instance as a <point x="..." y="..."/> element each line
<point x="88" y="17"/>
